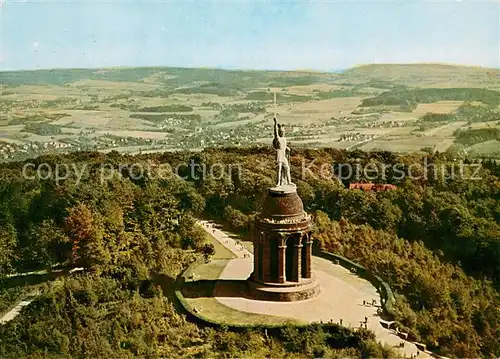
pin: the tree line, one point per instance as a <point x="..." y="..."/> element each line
<point x="435" y="240"/>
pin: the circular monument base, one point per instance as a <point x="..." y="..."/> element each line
<point x="283" y="292"/>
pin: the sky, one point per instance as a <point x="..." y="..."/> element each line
<point x="278" y="35"/>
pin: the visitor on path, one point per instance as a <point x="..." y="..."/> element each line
<point x="340" y="321"/>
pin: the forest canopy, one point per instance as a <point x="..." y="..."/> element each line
<point x="436" y="241"/>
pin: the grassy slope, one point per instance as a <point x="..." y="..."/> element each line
<point x="487" y="148"/>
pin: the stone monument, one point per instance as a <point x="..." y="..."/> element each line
<point x="282" y="238"/>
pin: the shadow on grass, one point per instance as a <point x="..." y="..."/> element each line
<point x="167" y="283"/>
<point x="207" y="288"/>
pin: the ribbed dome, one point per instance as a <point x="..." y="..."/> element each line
<point x="283" y="205"/>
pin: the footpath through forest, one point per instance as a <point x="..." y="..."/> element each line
<point x="27" y="300"/>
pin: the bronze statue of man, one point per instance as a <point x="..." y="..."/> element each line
<point x="282" y="155"/>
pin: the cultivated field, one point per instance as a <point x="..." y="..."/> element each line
<point x="487" y="148"/>
<point x="408" y="144"/>
<point x="327" y="108"/>
<point x="446" y="130"/>
<point x="164" y="108"/>
<point x="437" y="107"/>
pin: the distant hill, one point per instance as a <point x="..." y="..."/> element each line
<point x="429" y="75"/>
<point x="165" y="76"/>
<point x="415" y="75"/>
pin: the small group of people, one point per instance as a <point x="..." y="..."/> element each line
<point x="331" y="321"/>
<point x="209" y="226"/>
<point x="238" y="245"/>
<point x="373" y="303"/>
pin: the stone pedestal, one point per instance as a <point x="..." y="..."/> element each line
<point x="282" y="248"/>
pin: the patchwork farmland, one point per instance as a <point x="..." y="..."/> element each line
<point x="406" y="108"/>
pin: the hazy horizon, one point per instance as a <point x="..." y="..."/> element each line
<point x="118" y="67"/>
<point x="311" y="36"/>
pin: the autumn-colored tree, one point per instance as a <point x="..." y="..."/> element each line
<point x="87" y="244"/>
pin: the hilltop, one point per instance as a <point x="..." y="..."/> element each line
<point x="429" y="75"/>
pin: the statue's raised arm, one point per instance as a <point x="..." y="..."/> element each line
<point x="275" y="128"/>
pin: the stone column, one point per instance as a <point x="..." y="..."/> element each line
<point x="281" y="259"/>
<point x="297" y="260"/>
<point x="256" y="257"/>
<point x="266" y="260"/>
<point x="308" y="252"/>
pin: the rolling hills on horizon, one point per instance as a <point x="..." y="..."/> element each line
<point x="389" y="107"/>
<point x="390" y="72"/>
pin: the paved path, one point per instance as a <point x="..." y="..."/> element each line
<point x="341" y="298"/>
<point x="14" y="312"/>
<point x="230" y="243"/>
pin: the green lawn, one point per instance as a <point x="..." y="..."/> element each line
<point x="209" y="271"/>
<point x="221" y="252"/>
<point x="212" y="309"/>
